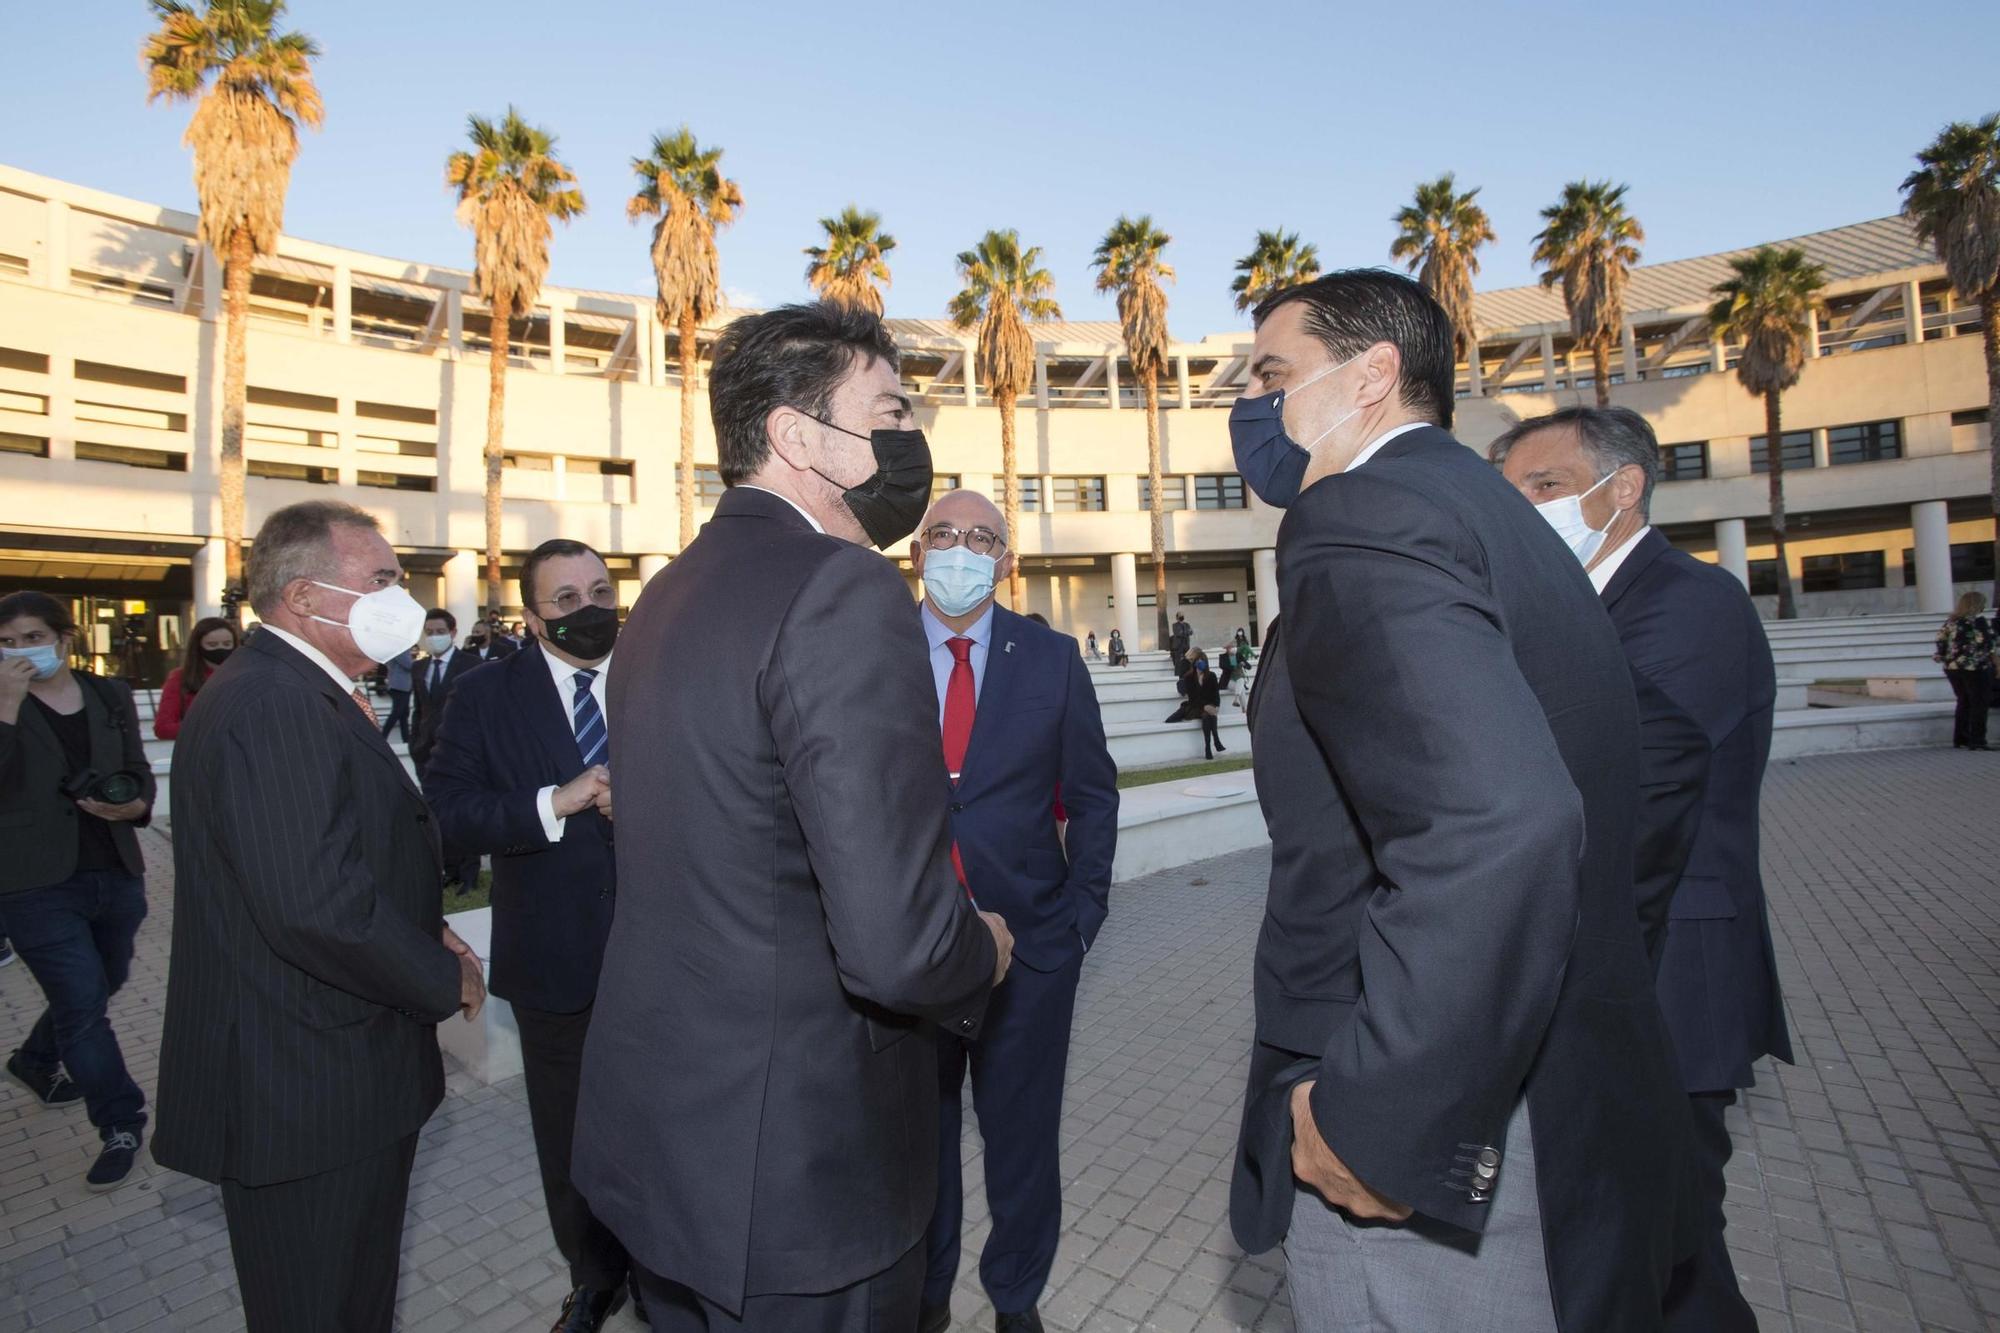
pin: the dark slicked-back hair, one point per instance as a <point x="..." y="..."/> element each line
<point x="794" y="356"/>
<point x="1351" y="310"/>
<point x="547" y="551"/>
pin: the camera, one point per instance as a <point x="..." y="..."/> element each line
<point x="110" y="788"/>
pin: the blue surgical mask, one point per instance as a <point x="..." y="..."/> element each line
<point x="1272" y="464"/>
<point x="46" y="657"/>
<point x="956" y="580"/>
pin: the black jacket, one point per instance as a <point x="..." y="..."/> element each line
<point x="504" y="738"/>
<point x="307" y="973"/>
<point x="1447" y="752"/>
<point x="759" y="1102"/>
<point x="428" y="704"/>
<point x="38" y="824"/>
<point x="1691" y="629"/>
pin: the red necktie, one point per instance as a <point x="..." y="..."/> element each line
<point x="361" y="702"/>
<point x="959" y="705"/>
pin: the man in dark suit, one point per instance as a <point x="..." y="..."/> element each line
<point x="1179" y="641"/>
<point x="434" y="678"/>
<point x="1691" y="629"/>
<point x="487" y="642"/>
<point x="1020" y="722"/>
<point x="521" y="772"/>
<point x="1458" y="1055"/>
<point x="758" y="1118"/>
<point x="310" y="963"/>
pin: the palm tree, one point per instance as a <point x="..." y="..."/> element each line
<point x="1954" y="199"/>
<point x="1275" y="262"/>
<point x="1438" y="239"/>
<point x="509" y="185"/>
<point x="253" y="87"/>
<point x="1128" y="262"/>
<point x="1589" y="243"/>
<point x="1769" y="307"/>
<point x="681" y="183"/>
<point x="1005" y="286"/>
<point x="847" y="268"/>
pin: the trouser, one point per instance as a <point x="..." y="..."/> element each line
<point x="1211" y="736"/>
<point x="460" y="867"/>
<point x="399" y="715"/>
<point x="1422" y="1275"/>
<point x="883" y="1303"/>
<point x="320" y="1254"/>
<point x="1975" y="694"/>
<point x="1702" y="1296"/>
<point x="1018" y="1065"/>
<point x="76" y="937"/>
<point x="552" y="1061"/>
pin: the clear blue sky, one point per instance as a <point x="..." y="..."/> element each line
<point x="1734" y="123"/>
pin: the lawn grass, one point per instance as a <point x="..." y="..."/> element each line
<point x="466" y="902"/>
<point x="1145" y="777"/>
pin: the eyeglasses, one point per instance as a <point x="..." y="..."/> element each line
<point x="569" y="599"/>
<point x="979" y="541"/>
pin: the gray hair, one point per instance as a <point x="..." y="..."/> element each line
<point x="1613" y="437"/>
<point x="296" y="542"/>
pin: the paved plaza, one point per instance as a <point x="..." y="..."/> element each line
<point x="1865" y="1194"/>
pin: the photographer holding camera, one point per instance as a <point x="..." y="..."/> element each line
<point x="74" y="784"/>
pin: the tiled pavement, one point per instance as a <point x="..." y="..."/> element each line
<point x="1864" y="1196"/>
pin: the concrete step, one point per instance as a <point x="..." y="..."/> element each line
<point x="1877" y="727"/>
<point x="1144" y="744"/>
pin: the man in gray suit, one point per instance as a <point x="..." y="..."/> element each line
<point x="758" y="1118"/>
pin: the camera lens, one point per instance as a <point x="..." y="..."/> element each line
<point x="117" y="788"/>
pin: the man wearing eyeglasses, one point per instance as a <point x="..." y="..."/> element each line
<point x="1020" y="723"/>
<point x="522" y="770"/>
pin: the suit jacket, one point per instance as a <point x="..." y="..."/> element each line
<point x="38" y="824"/>
<point x="505" y="737"/>
<point x="1037" y="728"/>
<point x="1691" y="629"/>
<point x="1673" y="779"/>
<point x="307" y="975"/>
<point x="1447" y="751"/>
<point x="759" y="1103"/>
<point x="428" y="704"/>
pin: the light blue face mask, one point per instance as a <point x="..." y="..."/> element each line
<point x="956" y="580"/>
<point x="46" y="657"/>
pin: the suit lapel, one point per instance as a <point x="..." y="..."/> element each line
<point x="538" y="702"/>
<point x="1649" y="549"/>
<point x="1006" y="654"/>
<point x="361" y="727"/>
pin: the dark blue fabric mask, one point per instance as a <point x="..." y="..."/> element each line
<point x="1272" y="463"/>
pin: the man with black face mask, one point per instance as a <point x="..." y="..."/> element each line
<point x="521" y="771"/>
<point x="759" y="1114"/>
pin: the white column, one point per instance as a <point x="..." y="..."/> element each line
<point x="343" y="303"/>
<point x="1821" y="459"/>
<point x="454" y="323"/>
<point x="1630" y="345"/>
<point x="1264" y="578"/>
<point x="1111" y="387"/>
<point x="559" y="469"/>
<point x="210" y="571"/>
<point x="1041" y="378"/>
<point x="461" y="587"/>
<point x="558" y="340"/>
<point x="1718" y="355"/>
<point x="55" y="249"/>
<point x="1181" y="375"/>
<point x="1931" y="523"/>
<point x="971" y="373"/>
<point x="1549" y="363"/>
<point x="1125" y="598"/>
<point x="1732" y="548"/>
<point x="1913" y="312"/>
<point x="1812" y="334"/>
<point x="650" y="565"/>
<point x="1474" y="379"/>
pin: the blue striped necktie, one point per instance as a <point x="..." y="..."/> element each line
<point x="593" y="741"/>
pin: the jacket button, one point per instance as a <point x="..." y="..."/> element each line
<point x="423" y="816"/>
<point x="965" y="1025"/>
<point x="1488" y="1158"/>
<point x="958" y="807"/>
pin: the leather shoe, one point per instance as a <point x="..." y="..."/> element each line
<point x="1028" y="1321"/>
<point x="934" y="1318"/>
<point x="584" y="1310"/>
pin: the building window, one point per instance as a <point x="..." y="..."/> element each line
<point x="1205" y="598"/>
<point x="1076" y="495"/>
<point x="1798" y="451"/>
<point x="1972" y="417"/>
<point x="1971" y="562"/>
<point x="1219" y="491"/>
<point x="1763" y="578"/>
<point x="1173" y="493"/>
<point x="318" y="476"/>
<point x="166" y="461"/>
<point x="395" y="481"/>
<point x="1869" y="442"/>
<point x="1855" y="571"/>
<point x="942" y="482"/>
<point x="1686" y="462"/>
<point x="1031" y="495"/>
<point x="12" y="442"/>
<point x="708" y="486"/>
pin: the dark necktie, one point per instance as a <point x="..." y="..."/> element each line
<point x="437" y="673"/>
<point x="593" y="738"/>
<point x="960" y="702"/>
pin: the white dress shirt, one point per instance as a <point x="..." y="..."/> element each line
<point x="312" y="654"/>
<point x="979" y="631"/>
<point x="1375" y="447"/>
<point x="565" y="678"/>
<point x="433" y="669"/>
<point x="788" y="500"/>
<point x="1600" y="577"/>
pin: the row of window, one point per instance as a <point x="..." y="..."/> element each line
<point x="1862" y="571"/>
<point x="1862" y="442"/>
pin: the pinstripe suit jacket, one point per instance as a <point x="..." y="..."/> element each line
<point x="307" y="974"/>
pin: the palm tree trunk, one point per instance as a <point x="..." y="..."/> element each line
<point x="1600" y="370"/>
<point x="1989" y="317"/>
<point x="1010" y="503"/>
<point x="1148" y="384"/>
<point x="496" y="441"/>
<point x="1775" y="452"/>
<point x="689" y="485"/>
<point x="236" y="319"/>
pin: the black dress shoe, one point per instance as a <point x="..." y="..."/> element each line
<point x="1028" y="1321"/>
<point x="934" y="1318"/>
<point x="639" y="1303"/>
<point x="584" y="1310"/>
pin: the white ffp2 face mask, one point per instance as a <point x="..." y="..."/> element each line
<point x="1566" y="517"/>
<point x="383" y="622"/>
